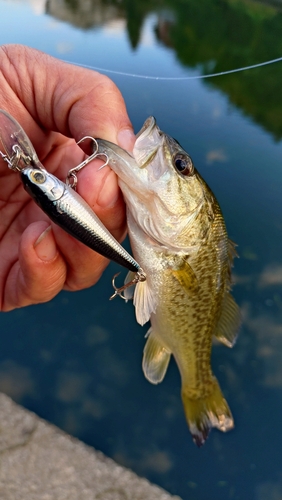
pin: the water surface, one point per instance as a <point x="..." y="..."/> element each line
<point x="76" y="361"/>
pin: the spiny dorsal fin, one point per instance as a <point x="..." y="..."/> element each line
<point x="155" y="359"/>
<point x="232" y="252"/>
<point x="186" y="277"/>
<point x="229" y="321"/>
<point x="144" y="302"/>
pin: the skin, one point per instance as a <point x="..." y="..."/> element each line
<point x="56" y="104"/>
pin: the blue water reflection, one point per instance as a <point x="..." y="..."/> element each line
<point x="76" y="361"/>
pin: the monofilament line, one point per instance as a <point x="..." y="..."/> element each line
<point x="178" y="78"/>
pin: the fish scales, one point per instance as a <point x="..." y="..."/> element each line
<point x="177" y="233"/>
<point x="188" y="321"/>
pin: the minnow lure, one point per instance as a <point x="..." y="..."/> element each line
<point x="58" y="199"/>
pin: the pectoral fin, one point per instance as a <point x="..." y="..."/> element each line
<point x="155" y="359"/>
<point x="129" y="292"/>
<point x="186" y="277"/>
<point x="144" y="302"/>
<point x="229" y="322"/>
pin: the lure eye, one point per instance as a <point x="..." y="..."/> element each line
<point x="38" y="177"/>
<point x="183" y="164"/>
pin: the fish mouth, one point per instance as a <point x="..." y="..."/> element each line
<point x="107" y="147"/>
<point x="145" y="164"/>
<point x="121" y="162"/>
<point x="148" y="145"/>
<point x="147" y="128"/>
<point x="142" y="156"/>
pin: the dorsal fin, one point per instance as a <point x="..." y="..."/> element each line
<point x="229" y="321"/>
<point x="155" y="359"/>
<point x="232" y="253"/>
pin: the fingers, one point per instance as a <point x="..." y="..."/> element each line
<point x="84" y="266"/>
<point x="74" y="101"/>
<point x="49" y="261"/>
<point x="100" y="189"/>
<point x="65" y="98"/>
<point x="45" y="95"/>
<point x="101" y="112"/>
<point x="40" y="272"/>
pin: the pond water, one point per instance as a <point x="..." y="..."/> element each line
<point x="76" y="361"/>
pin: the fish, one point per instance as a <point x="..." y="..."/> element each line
<point x="178" y="235"/>
<point x="68" y="209"/>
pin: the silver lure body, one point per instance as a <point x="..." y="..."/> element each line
<point x="68" y="209"/>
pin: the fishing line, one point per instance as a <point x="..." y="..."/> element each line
<point x="176" y="78"/>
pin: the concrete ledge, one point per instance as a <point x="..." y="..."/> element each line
<point x="40" y="462"/>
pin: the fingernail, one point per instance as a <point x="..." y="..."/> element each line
<point x="45" y="246"/>
<point x="126" y="139"/>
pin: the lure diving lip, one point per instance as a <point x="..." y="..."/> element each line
<point x="19" y="151"/>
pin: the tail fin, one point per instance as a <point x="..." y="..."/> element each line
<point x="204" y="413"/>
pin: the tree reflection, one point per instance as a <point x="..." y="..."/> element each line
<point x="220" y="36"/>
<point x="210" y="36"/>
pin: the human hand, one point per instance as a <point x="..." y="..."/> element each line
<point x="56" y="104"/>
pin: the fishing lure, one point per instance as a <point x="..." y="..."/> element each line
<point x="58" y="199"/>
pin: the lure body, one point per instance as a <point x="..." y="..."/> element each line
<point x="68" y="210"/>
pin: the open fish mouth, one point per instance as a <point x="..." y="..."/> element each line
<point x="147" y="128"/>
<point x="152" y="135"/>
<point x="124" y="165"/>
<point x="145" y="165"/>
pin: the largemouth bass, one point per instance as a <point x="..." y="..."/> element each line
<point x="177" y="233"/>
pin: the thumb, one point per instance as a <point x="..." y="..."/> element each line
<point x="102" y="113"/>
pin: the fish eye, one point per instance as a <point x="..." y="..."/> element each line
<point x="183" y="164"/>
<point x="38" y="177"/>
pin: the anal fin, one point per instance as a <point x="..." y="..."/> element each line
<point x="155" y="359"/>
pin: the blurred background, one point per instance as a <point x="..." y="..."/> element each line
<point x="76" y="361"/>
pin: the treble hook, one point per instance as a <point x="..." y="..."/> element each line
<point x="139" y="277"/>
<point x="72" y="172"/>
<point x="14" y="160"/>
